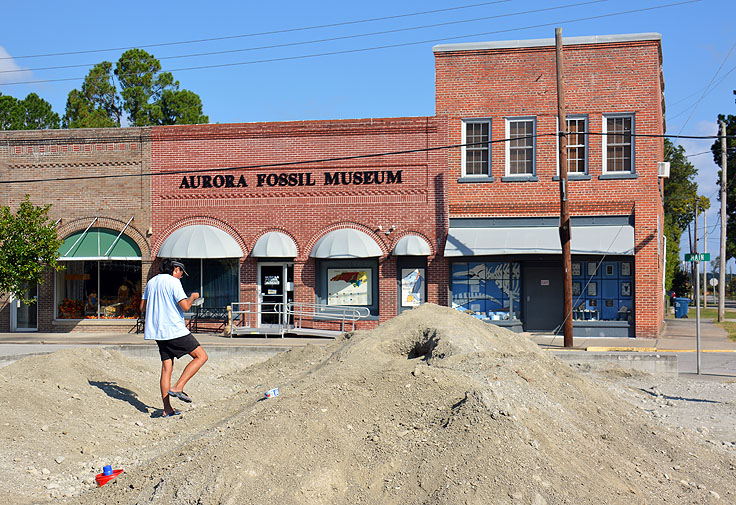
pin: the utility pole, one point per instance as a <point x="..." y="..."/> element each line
<point x="705" y="263"/>
<point x="565" y="231"/>
<point x="722" y="270"/>
<point x="696" y="266"/>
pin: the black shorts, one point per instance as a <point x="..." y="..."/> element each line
<point x="177" y="347"/>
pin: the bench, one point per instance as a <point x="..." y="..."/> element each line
<point x="213" y="320"/>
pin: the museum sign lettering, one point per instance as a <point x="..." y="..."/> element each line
<point x="360" y="178"/>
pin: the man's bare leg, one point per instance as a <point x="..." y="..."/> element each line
<point x="200" y="358"/>
<point x="167" y="367"/>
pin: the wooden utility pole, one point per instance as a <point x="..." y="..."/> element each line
<point x="705" y="263"/>
<point x="722" y="268"/>
<point x="565" y="231"/>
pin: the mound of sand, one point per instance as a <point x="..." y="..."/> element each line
<point x="432" y="407"/>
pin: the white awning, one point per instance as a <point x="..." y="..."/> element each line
<point x="200" y="241"/>
<point x="539" y="240"/>
<point x="346" y="243"/>
<point x="412" y="245"/>
<point x="274" y="244"/>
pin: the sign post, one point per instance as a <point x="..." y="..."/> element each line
<point x="697" y="258"/>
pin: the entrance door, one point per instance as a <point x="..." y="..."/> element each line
<point x="23" y="316"/>
<point x="276" y="288"/>
<point x="543" y="298"/>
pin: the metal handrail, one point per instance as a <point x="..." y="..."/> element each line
<point x="315" y="311"/>
<point x="293" y="311"/>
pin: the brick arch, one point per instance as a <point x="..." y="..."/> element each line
<point x="411" y="232"/>
<point x="280" y="230"/>
<point x="347" y="224"/>
<point x="190" y="221"/>
<point x="75" y="225"/>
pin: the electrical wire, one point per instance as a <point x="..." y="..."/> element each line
<point x="258" y="34"/>
<point x="330" y="39"/>
<point x="387" y="46"/>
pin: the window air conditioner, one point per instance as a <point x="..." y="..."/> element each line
<point x="663" y="168"/>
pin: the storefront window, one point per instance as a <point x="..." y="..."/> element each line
<point x="602" y="290"/>
<point x="92" y="289"/>
<point x="352" y="283"/>
<point x="216" y="280"/>
<point x="490" y="289"/>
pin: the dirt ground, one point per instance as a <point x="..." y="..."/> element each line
<point x="432" y="407"/>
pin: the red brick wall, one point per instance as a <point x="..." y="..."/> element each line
<point x="306" y="213"/>
<point x="67" y="154"/>
<point x="599" y="79"/>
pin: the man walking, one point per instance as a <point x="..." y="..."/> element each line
<point x="164" y="303"/>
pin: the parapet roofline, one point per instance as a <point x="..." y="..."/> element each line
<point x="566" y="41"/>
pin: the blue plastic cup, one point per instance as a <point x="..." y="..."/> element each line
<point x="107" y="470"/>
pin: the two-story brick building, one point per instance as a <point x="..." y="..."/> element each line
<point x="503" y="188"/>
<point x="380" y="214"/>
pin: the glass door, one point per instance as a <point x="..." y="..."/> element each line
<point x="24" y="316"/>
<point x="276" y="289"/>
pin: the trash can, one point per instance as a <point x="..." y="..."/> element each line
<point x="681" y="305"/>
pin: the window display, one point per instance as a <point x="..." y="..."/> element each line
<point x="349" y="286"/>
<point x="606" y="293"/>
<point x="98" y="290"/>
<point x="412" y="287"/>
<point x="489" y="289"/>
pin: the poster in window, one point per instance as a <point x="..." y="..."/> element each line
<point x="349" y="286"/>
<point x="593" y="289"/>
<point x="272" y="280"/>
<point x="592" y="268"/>
<point x="625" y="289"/>
<point x="576" y="269"/>
<point x="626" y="268"/>
<point x="412" y="287"/>
<point x="575" y="289"/>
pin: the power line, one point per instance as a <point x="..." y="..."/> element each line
<point x="146" y="137"/>
<point x="258" y="34"/>
<point x="272" y="165"/>
<point x="110" y="140"/>
<point x="330" y="39"/>
<point x="387" y="46"/>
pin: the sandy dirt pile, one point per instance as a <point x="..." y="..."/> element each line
<point x="432" y="407"/>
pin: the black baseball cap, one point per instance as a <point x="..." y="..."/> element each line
<point x="180" y="265"/>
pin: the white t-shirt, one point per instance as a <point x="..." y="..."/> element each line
<point x="164" y="316"/>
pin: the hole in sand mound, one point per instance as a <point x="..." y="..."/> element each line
<point x="423" y="345"/>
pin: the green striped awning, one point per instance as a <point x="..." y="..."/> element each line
<point x="95" y="244"/>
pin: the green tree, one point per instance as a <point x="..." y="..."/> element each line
<point x="28" y="246"/>
<point x="730" y="121"/>
<point x="31" y="113"/>
<point x="136" y="92"/>
<point x="680" y="195"/>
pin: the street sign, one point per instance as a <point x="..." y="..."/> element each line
<point x="697" y="257"/>
<point x="713" y="282"/>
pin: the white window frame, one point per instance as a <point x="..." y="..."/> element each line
<point x="463" y="150"/>
<point x="510" y="120"/>
<point x="584" y="117"/>
<point x="604" y="154"/>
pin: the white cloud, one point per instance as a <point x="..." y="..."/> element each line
<point x="10" y="71"/>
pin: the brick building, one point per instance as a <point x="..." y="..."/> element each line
<point x="503" y="244"/>
<point x="340" y="232"/>
<point x="301" y="212"/>
<point x="103" y="219"/>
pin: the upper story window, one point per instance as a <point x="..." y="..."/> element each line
<point x="618" y="143"/>
<point x="477" y="152"/>
<point x="577" y="145"/>
<point x="520" y="149"/>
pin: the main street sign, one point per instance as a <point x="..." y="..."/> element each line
<point x="697" y="257"/>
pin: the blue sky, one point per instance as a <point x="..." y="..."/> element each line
<point x="390" y="82"/>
